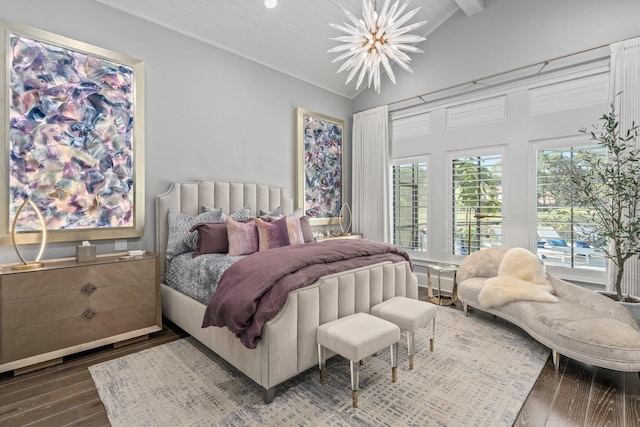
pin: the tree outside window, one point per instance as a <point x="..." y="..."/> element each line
<point x="565" y="233"/>
<point x="410" y="206"/>
<point x="477" y="203"/>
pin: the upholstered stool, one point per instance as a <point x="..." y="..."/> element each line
<point x="410" y="315"/>
<point x="355" y="337"/>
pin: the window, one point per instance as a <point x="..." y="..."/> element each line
<point x="409" y="191"/>
<point x="565" y="237"/>
<point x="477" y="203"/>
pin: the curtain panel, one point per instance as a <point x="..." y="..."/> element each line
<point x="370" y="173"/>
<point x="624" y="93"/>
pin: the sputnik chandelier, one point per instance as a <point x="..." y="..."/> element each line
<point x="375" y="40"/>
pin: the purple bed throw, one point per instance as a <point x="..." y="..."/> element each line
<point x="253" y="289"/>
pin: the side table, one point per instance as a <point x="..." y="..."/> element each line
<point x="442" y="268"/>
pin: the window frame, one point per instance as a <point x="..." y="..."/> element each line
<point x="426" y="158"/>
<point x="491" y="150"/>
<point x="573" y="274"/>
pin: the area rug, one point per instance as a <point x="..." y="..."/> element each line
<point x="480" y="374"/>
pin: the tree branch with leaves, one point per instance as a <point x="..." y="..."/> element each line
<point x="609" y="189"/>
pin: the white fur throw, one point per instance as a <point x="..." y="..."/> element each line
<point x="521" y="276"/>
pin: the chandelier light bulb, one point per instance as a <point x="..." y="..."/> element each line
<point x="374" y="40"/>
<point x="270" y="4"/>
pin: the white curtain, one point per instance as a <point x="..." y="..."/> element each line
<point x="624" y="79"/>
<point x="370" y="173"/>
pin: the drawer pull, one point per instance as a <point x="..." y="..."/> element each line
<point x="88" y="314"/>
<point x="88" y="289"/>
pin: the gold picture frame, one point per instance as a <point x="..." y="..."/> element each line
<point x="72" y="129"/>
<point x="319" y="166"/>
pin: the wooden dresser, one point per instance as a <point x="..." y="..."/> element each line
<point x="66" y="307"/>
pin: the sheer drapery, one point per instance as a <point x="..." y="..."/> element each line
<point x="370" y="173"/>
<point x="624" y="93"/>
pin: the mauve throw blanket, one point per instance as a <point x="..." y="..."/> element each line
<point x="254" y="288"/>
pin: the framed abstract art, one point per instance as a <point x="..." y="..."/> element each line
<point x="72" y="128"/>
<point x="319" y="166"/>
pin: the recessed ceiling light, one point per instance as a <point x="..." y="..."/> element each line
<point x="270" y="4"/>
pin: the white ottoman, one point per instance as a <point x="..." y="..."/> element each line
<point x="355" y="337"/>
<point x="410" y="315"/>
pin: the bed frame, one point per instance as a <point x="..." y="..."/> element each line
<point x="288" y="345"/>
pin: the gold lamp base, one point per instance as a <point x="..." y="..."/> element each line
<point x="27" y="266"/>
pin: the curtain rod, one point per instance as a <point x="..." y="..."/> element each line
<point x="544" y="63"/>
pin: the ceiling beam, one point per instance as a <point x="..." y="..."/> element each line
<point x="470" y="7"/>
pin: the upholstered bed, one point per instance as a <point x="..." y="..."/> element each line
<point x="288" y="343"/>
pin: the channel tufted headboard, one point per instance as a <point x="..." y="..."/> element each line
<point x="189" y="197"/>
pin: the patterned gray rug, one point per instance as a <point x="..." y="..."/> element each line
<point x="480" y="373"/>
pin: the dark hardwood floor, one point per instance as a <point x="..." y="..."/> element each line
<point x="64" y="394"/>
<point x="579" y="395"/>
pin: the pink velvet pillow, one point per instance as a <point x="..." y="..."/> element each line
<point x="294" y="230"/>
<point x="272" y="234"/>
<point x="242" y="237"/>
<point x="212" y="238"/>
<point x="307" y="233"/>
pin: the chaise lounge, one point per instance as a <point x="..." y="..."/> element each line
<point x="582" y="324"/>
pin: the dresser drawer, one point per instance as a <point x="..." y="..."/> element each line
<point x="33" y="340"/>
<point x="26" y="312"/>
<point x="49" y="282"/>
<point x="46" y="309"/>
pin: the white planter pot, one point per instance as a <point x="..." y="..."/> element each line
<point x="634" y="308"/>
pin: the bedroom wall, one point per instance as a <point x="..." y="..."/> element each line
<point x="209" y="113"/>
<point x="506" y="34"/>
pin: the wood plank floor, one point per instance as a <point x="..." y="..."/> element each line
<point x="579" y="395"/>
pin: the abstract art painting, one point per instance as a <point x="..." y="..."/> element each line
<point x="319" y="166"/>
<point x="74" y="136"/>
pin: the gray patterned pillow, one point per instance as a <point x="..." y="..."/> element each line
<point x="243" y="214"/>
<point x="180" y="240"/>
<point x="265" y="215"/>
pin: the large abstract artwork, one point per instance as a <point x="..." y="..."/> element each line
<point x="319" y="166"/>
<point x="74" y="137"/>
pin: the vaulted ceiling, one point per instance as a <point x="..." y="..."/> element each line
<point x="292" y="38"/>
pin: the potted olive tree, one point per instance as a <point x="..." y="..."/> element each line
<point x="610" y="189"/>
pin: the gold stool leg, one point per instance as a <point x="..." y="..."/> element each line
<point x="433" y="334"/>
<point x="355" y="381"/>
<point x="394" y="362"/>
<point x="321" y="362"/>
<point x="410" y="350"/>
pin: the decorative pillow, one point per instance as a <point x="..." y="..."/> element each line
<point x="269" y="216"/>
<point x="294" y="229"/>
<point x="242" y="237"/>
<point x="307" y="233"/>
<point x="243" y="214"/>
<point x="272" y="234"/>
<point x="212" y="238"/>
<point x="180" y="239"/>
